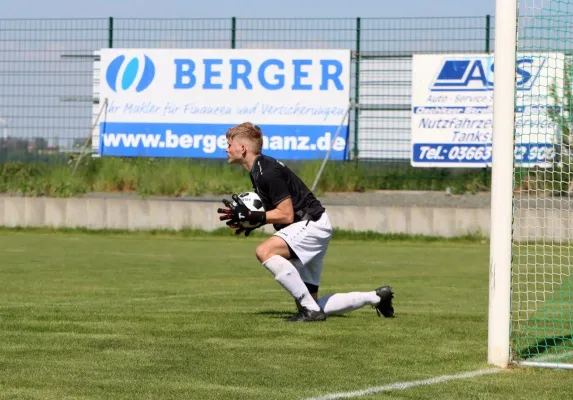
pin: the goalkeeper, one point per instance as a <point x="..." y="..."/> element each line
<point x="294" y="254"/>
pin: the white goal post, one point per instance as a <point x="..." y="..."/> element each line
<point x="502" y="182"/>
<point x="530" y="313"/>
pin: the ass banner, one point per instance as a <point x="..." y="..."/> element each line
<point x="180" y="102"/>
<point x="452" y="109"/>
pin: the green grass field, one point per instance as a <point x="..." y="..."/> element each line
<point x="112" y="316"/>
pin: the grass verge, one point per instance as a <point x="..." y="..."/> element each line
<point x="338" y="234"/>
<point x="183" y="177"/>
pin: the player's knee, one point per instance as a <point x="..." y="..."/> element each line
<point x="263" y="252"/>
<point x="273" y="246"/>
<point x="268" y="249"/>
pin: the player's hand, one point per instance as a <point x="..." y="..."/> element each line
<point x="239" y="212"/>
<point x="239" y="228"/>
<point x="230" y="214"/>
<point x="226" y="213"/>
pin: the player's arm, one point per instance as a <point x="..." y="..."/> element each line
<point x="282" y="214"/>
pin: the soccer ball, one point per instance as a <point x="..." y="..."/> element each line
<point x="253" y="203"/>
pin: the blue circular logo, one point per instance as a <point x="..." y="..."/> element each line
<point x="130" y="74"/>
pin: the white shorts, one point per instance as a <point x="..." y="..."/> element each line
<point x="309" y="241"/>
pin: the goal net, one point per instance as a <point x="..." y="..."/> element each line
<point x="541" y="297"/>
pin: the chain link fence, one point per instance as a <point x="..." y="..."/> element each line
<point x="46" y="72"/>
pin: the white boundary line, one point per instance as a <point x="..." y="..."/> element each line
<point x="406" y="385"/>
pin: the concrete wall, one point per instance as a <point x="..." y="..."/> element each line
<point x="132" y="214"/>
<point x="135" y="214"/>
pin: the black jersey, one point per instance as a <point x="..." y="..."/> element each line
<point x="274" y="182"/>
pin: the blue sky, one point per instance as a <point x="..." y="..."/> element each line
<point x="250" y="8"/>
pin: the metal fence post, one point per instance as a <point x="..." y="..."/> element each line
<point x="110" y="33"/>
<point x="357" y="88"/>
<point x="233" y="31"/>
<point x="487" y="32"/>
<point x="487" y="50"/>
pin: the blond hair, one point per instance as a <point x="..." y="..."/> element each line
<point x="250" y="132"/>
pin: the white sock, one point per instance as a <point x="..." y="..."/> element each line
<point x="341" y="303"/>
<point x="287" y="275"/>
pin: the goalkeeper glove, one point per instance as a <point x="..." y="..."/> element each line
<point x="239" y="212"/>
<point x="240" y="229"/>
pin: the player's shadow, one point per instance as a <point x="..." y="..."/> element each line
<point x="276" y="313"/>
<point x="544" y="345"/>
<point x="281" y="314"/>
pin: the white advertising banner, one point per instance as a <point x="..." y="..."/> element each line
<point x="180" y="102"/>
<point x="452" y="109"/>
